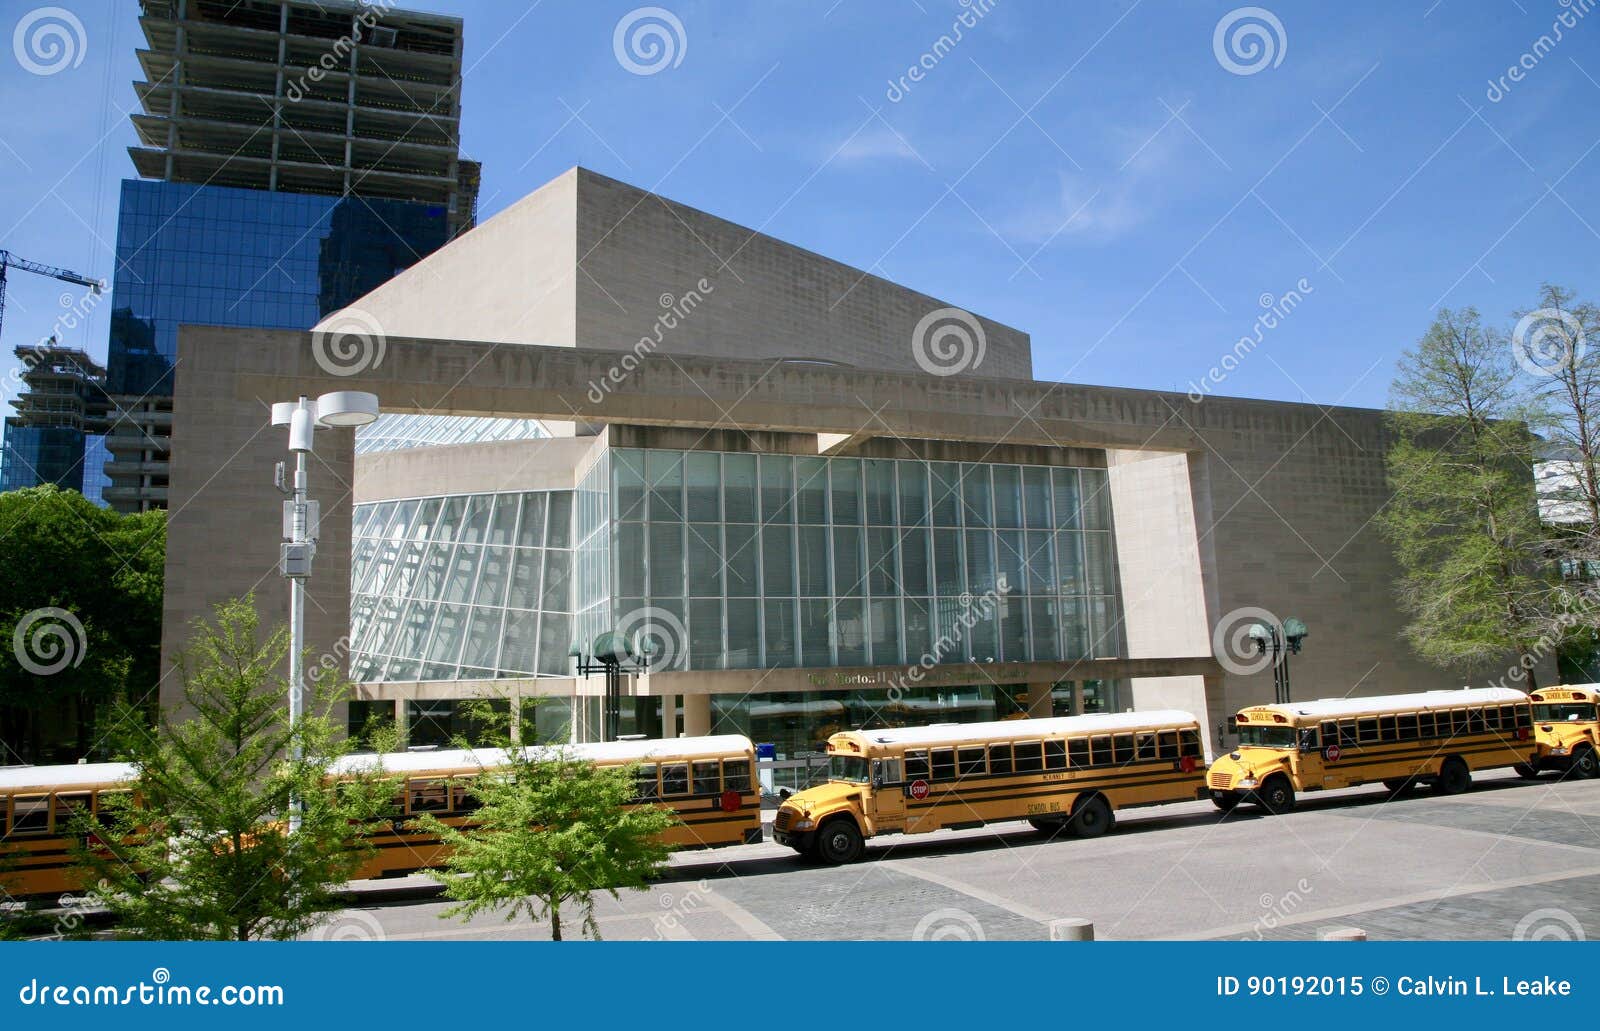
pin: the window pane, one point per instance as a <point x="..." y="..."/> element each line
<point x="627" y="471"/>
<point x="919" y="625"/>
<point x="1069" y="562"/>
<point x="705" y="634"/>
<point x="913" y="485"/>
<point x="1013" y="630"/>
<point x="849" y="616"/>
<point x="814" y="561"/>
<point x="885" y="616"/>
<point x="1043" y="629"/>
<point x="880" y="491"/>
<point x="846" y="476"/>
<point x="740" y="559"/>
<point x="1096" y="500"/>
<point x="777" y="559"/>
<point x="736" y="775"/>
<point x="557" y="596"/>
<point x="975" y="495"/>
<point x="744" y="634"/>
<point x="1067" y="516"/>
<point x="1007" y="496"/>
<point x="504" y="523"/>
<point x="1036" y="497"/>
<point x="914" y="562"/>
<point x="980" y="561"/>
<point x="664" y="474"/>
<point x="559" y="531"/>
<point x="848" y="574"/>
<point x="666" y="560"/>
<point x="947" y="562"/>
<point x="629" y="557"/>
<point x="1074" y="629"/>
<point x="739" y="488"/>
<point x="1009" y="577"/>
<point x="777" y="624"/>
<point x="705" y="560"/>
<point x="702" y="474"/>
<point x="777" y="489"/>
<point x="1099" y="564"/>
<point x="1040" y="560"/>
<point x="493" y="577"/>
<point x="945" y="485"/>
<point x="883" y="577"/>
<point x="816" y="647"/>
<point x="530" y="533"/>
<point x="811" y="490"/>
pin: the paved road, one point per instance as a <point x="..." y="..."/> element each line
<point x="1508" y="854"/>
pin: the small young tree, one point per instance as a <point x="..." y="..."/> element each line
<point x="201" y="847"/>
<point x="552" y="830"/>
<point x="1463" y="518"/>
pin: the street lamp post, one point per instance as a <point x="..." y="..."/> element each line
<point x="301" y="522"/>
<point x="612" y="656"/>
<point x="1279" y="643"/>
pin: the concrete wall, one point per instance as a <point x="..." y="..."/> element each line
<point x="587" y="261"/>
<point x="501" y="465"/>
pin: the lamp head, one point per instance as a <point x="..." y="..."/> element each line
<point x="1295" y="632"/>
<point x="347" y="408"/>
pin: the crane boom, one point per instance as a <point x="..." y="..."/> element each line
<point x="9" y="260"/>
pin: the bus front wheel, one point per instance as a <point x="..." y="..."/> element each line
<point x="1276" y="795"/>
<point x="1454" y="777"/>
<point x="1399" y="787"/>
<point x="839" y="841"/>
<point x="1526" y="771"/>
<point x="1585" y="764"/>
<point x="1227" y="801"/>
<point x="1049" y="828"/>
<point x="1092" y="818"/>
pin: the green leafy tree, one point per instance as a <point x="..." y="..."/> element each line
<point x="1463" y="517"/>
<point x="102" y="574"/>
<point x="553" y="830"/>
<point x="202" y="848"/>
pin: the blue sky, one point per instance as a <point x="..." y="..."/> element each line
<point x="1092" y="173"/>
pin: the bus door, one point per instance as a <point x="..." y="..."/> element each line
<point x="1336" y="743"/>
<point x="888" y="795"/>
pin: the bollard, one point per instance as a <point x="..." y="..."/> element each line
<point x="1072" y="929"/>
<point x="1342" y="934"/>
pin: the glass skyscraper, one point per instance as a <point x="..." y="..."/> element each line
<point x="221" y="256"/>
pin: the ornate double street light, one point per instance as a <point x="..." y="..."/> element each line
<point x="1279" y="643"/>
<point x="301" y="518"/>
<point x="613" y="656"/>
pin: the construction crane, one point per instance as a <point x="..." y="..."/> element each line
<point x="10" y="261"/>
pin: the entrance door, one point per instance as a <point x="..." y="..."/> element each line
<point x="888" y="795"/>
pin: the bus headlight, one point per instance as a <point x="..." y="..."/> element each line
<point x="804" y="825"/>
<point x="1247" y="782"/>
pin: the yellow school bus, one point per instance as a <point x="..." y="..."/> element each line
<point x="708" y="782"/>
<point x="1070" y="773"/>
<point x="36" y="809"/>
<point x="1565" y="730"/>
<point x="1436" y="737"/>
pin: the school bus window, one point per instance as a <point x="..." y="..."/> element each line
<point x="999" y="758"/>
<point x="1408" y="727"/>
<point x="1525" y="715"/>
<point x="462" y="798"/>
<point x="1508" y="717"/>
<point x="886" y="772"/>
<point x="1169" y="744"/>
<point x="707" y="777"/>
<point x="30" y="814"/>
<point x="1027" y="757"/>
<point x="1424" y="724"/>
<point x="1475" y="722"/>
<point x="1367" y="729"/>
<point x="944" y="764"/>
<point x="1458" y="720"/>
<point x="1145" y="746"/>
<point x="1122" y="749"/>
<point x="852" y="768"/>
<point x="429" y="796"/>
<point x="1347" y="734"/>
<point x="644" y="783"/>
<point x="1055" y="755"/>
<point x="1100" y="754"/>
<point x="66" y="806"/>
<point x="971" y="761"/>
<point x="675" y="779"/>
<point x="736" y="774"/>
<point x="1267" y="737"/>
<point x="1078" y="751"/>
<point x="1189" y="743"/>
<point x="1387" y="730"/>
<point x="106" y="804"/>
<point x="917" y="766"/>
<point x="1310" y="739"/>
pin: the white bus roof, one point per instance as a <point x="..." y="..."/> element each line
<point x="1422" y="701"/>
<point x="1025" y="730"/>
<point x="489" y="758"/>
<point x="77" y="775"/>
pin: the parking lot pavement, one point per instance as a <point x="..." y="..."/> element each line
<point x="1510" y="858"/>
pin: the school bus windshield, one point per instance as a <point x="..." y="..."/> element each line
<point x="847" y="767"/>
<point x="1267" y="737"/>
<point x="1563" y="712"/>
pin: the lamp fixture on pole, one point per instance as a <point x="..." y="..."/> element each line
<point x="612" y="655"/>
<point x="1279" y="643"/>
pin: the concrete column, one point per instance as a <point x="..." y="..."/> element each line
<point x="402" y="720"/>
<point x="696" y="715"/>
<point x="669" y="715"/>
<point x="1039" y="705"/>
